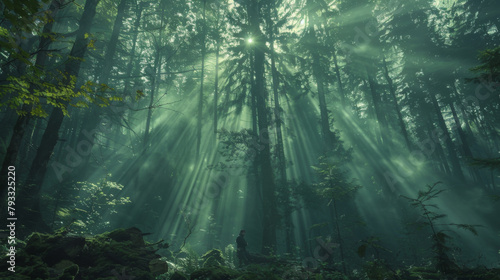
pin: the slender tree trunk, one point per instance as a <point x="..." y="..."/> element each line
<point x="392" y="90"/>
<point x="113" y="42"/>
<point x="130" y="65"/>
<point x="325" y="123"/>
<point x="200" y="100"/>
<point x="465" y="144"/>
<point x="92" y="116"/>
<point x="317" y="72"/>
<point x="457" y="170"/>
<point x="339" y="80"/>
<point x="441" y="157"/>
<point x="339" y="236"/>
<point x="255" y="127"/>
<point x="155" y="82"/>
<point x="216" y="86"/>
<point x="382" y="122"/>
<point x="289" y="229"/>
<point x="151" y="100"/>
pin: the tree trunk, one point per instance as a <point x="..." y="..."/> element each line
<point x="200" y="100"/>
<point x="113" y="42"/>
<point x="264" y="155"/>
<point x="339" y="236"/>
<point x="50" y="136"/>
<point x="339" y="80"/>
<point x="401" y="122"/>
<point x="289" y="231"/>
<point x="456" y="169"/>
<point x="151" y="100"/>
<point x="23" y="121"/>
<point x="382" y="122"/>
<point x="92" y="116"/>
<point x="216" y="85"/>
<point x="325" y="123"/>
<point x="130" y="65"/>
<point x="465" y="145"/>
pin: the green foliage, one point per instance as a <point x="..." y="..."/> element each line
<point x="69" y="256"/>
<point x="32" y="91"/>
<point x="213" y="257"/>
<point x="229" y="253"/>
<point x="237" y="147"/>
<point x="91" y="204"/>
<point x="190" y="262"/>
<point x="24" y="18"/>
<point x="439" y="237"/>
<point x="334" y="182"/>
<point x="378" y="270"/>
<point x="23" y="15"/>
<point x="489" y="69"/>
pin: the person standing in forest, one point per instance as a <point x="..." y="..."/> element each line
<point x="241" y="251"/>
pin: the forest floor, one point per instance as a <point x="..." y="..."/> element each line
<point x="123" y="254"/>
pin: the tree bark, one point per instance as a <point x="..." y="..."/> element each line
<point x="216" y="85"/>
<point x="200" y="100"/>
<point x="339" y="80"/>
<point x="50" y="136"/>
<point x="455" y="164"/>
<point x="289" y="229"/>
<point x="23" y="121"/>
<point x="130" y="65"/>
<point x="382" y="121"/>
<point x="267" y="183"/>
<point x="401" y="122"/>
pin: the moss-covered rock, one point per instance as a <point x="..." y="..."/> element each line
<point x="213" y="258"/>
<point x="111" y="255"/>
<point x="54" y="248"/>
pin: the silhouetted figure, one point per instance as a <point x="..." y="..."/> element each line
<point x="241" y="250"/>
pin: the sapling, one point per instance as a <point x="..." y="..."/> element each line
<point x="439" y="238"/>
<point x="335" y="185"/>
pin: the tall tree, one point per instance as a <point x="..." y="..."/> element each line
<point x="202" y="77"/>
<point x="24" y="119"/>
<point x="259" y="91"/>
<point x="38" y="168"/>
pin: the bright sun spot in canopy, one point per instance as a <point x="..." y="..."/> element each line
<point x="250" y="40"/>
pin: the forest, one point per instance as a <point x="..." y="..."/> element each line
<point x="250" y="139"/>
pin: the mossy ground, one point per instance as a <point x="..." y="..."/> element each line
<point x="123" y="254"/>
<point x="62" y="256"/>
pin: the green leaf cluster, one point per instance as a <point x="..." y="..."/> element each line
<point x="31" y="94"/>
<point x="93" y="202"/>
